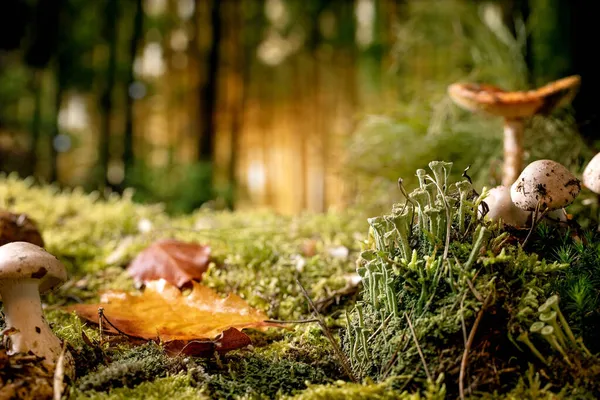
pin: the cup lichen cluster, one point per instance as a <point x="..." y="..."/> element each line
<point x="452" y="298"/>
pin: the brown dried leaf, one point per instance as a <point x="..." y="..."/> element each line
<point x="172" y="260"/>
<point x="162" y="312"/>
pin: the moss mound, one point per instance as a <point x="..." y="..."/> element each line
<point x="451" y="298"/>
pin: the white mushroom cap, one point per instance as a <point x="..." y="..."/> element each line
<point x="591" y="174"/>
<point x="20" y="260"/>
<point x="25" y="271"/>
<point x="547" y="183"/>
<point x="502" y="208"/>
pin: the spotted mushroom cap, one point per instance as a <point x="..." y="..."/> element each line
<point x="512" y="105"/>
<point x="591" y="174"/>
<point x="545" y="182"/>
<point x="24" y="260"/>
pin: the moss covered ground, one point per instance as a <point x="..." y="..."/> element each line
<point x="403" y="330"/>
<point x="259" y="255"/>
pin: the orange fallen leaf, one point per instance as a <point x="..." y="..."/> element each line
<point x="175" y="261"/>
<point x="162" y="312"/>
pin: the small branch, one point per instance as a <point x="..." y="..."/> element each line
<point x="102" y="317"/>
<point x="412" y="331"/>
<point x="465" y="357"/>
<point x="328" y="334"/>
<point x="297" y="321"/>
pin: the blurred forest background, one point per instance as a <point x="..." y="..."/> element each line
<point x="288" y="104"/>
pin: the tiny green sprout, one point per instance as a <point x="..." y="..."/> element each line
<point x="421" y="198"/>
<point x="566" y="254"/>
<point x="552" y="303"/>
<point x="433" y="213"/>
<point x="464" y="189"/>
<point x="481" y="237"/>
<point x="413" y="264"/>
<point x="548" y="333"/>
<point x="441" y="170"/>
<point x="368" y="255"/>
<point x="537" y="327"/>
<point x="549" y="317"/>
<point x="421" y="174"/>
<point x="524" y="338"/>
<point x="378" y="226"/>
<point x="402" y="224"/>
<point x="431" y="189"/>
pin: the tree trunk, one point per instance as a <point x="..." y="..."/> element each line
<point x="106" y="103"/>
<point x="128" y="155"/>
<point x="58" y="98"/>
<point x="240" y="59"/>
<point x="36" y="121"/>
<point x="208" y="92"/>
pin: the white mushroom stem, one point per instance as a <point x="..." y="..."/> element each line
<point x="23" y="313"/>
<point x="513" y="150"/>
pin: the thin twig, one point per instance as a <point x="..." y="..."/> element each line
<point x="465" y="357"/>
<point x="328" y="334"/>
<point x="383" y="324"/>
<point x="297" y="321"/>
<point x="462" y="318"/>
<point x="102" y="316"/>
<point x="473" y="290"/>
<point x="412" y="331"/>
<point x="535" y="221"/>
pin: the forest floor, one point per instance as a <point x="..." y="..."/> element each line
<point x="268" y="260"/>
<point x="261" y="256"/>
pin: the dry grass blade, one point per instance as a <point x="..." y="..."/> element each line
<point x="412" y="331"/>
<point x="465" y="357"/>
<point x="336" y="348"/>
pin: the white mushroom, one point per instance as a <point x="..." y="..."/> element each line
<point x="544" y="185"/>
<point x="502" y="208"/>
<point x="591" y="174"/>
<point x="26" y="270"/>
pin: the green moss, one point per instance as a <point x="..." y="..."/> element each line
<point x="341" y="390"/>
<point x="180" y="387"/>
<point x="140" y="364"/>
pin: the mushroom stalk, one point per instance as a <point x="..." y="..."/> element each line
<point x="513" y="150"/>
<point x="23" y="312"/>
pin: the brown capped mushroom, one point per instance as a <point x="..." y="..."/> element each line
<point x="26" y="270"/>
<point x="514" y="107"/>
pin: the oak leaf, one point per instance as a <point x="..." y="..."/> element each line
<point x="175" y="261"/>
<point x="162" y="312"/>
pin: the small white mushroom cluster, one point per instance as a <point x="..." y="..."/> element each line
<point x="26" y="270"/>
<point x="544" y="186"/>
